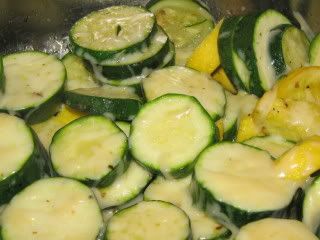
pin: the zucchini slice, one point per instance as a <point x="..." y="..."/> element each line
<point x="233" y="65"/>
<point x="182" y="80"/>
<point x="240" y="182"/>
<point x="51" y="204"/>
<point x="311" y="207"/>
<point x="177" y="192"/>
<point x="238" y="106"/>
<point x="104" y="33"/>
<point x="120" y="103"/>
<point x="168" y="134"/>
<point x="21" y="160"/>
<point x="149" y="220"/>
<point x="284" y="58"/>
<point x="275" y="229"/>
<point x="34" y="85"/>
<point x="314" y="52"/>
<point x="125" y="188"/>
<point x="2" y="77"/>
<point x="78" y="76"/>
<point x="275" y="145"/>
<point x="252" y="40"/>
<point x="187" y="23"/>
<point x="91" y="149"/>
<point x="150" y="56"/>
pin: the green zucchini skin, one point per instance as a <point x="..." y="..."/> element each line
<point x="32" y="170"/>
<point x="226" y="49"/>
<point x="244" y="37"/>
<point x="121" y="109"/>
<point x="206" y="201"/>
<point x="136" y="69"/>
<point x="314" y="52"/>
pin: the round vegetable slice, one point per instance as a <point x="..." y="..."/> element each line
<point x="182" y="80"/>
<point x="240" y="183"/>
<point x="149" y="220"/>
<point x="21" y="160"/>
<point x="91" y="149"/>
<point x="102" y="34"/>
<point x="34" y="85"/>
<point x="125" y="188"/>
<point x="49" y="205"/>
<point x="275" y="229"/>
<point x="169" y="132"/>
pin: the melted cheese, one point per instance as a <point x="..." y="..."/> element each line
<point x="275" y="229"/>
<point x="16" y="144"/>
<point x="177" y="193"/>
<point x="182" y="80"/>
<point x="53" y="209"/>
<point x="31" y="79"/>
<point x="170" y="132"/>
<point x="88" y="148"/>
<point x="149" y="220"/>
<point x="244" y="177"/>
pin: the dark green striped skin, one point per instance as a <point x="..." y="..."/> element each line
<point x="276" y="51"/>
<point x="121" y="109"/>
<point x="136" y="69"/>
<point x="32" y="170"/>
<point x="226" y="49"/>
<point x="240" y="217"/>
<point x="243" y="42"/>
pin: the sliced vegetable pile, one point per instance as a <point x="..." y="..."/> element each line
<point x="157" y="125"/>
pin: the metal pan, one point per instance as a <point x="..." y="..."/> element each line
<point x="44" y="24"/>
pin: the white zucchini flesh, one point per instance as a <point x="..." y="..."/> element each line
<point x="275" y="145"/>
<point x="265" y="23"/>
<point x="147" y="51"/>
<point x="124" y="188"/>
<point x="177" y="193"/>
<point x="77" y="74"/>
<point x="53" y="208"/>
<point x="170" y="132"/>
<point x="125" y="127"/>
<point x="311" y="207"/>
<point x="88" y="148"/>
<point x="16" y="144"/>
<point x="149" y="220"/>
<point x="109" y="91"/>
<point x="275" y="229"/>
<point x="237" y="107"/>
<point x="244" y="177"/>
<point x="32" y="78"/>
<point x="182" y="80"/>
